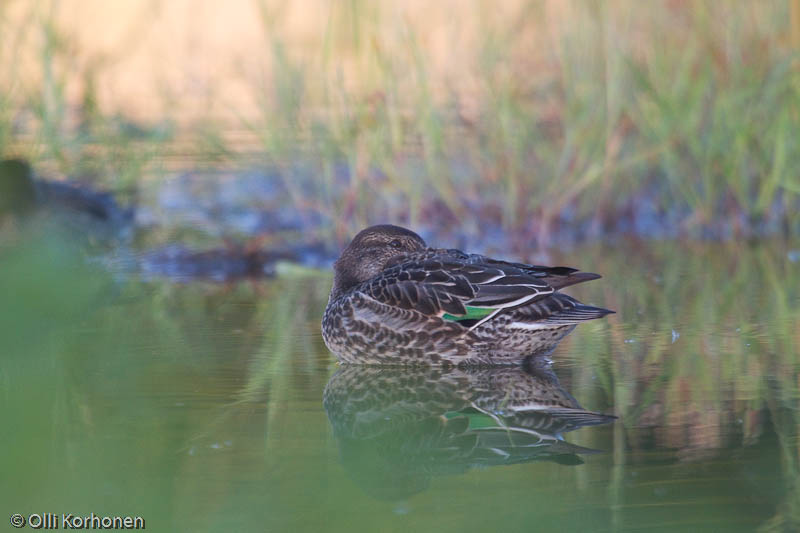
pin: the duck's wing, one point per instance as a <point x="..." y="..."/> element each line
<point x="451" y="285"/>
<point x="557" y="277"/>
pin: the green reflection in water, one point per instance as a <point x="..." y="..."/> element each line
<point x="399" y="427"/>
<point x="200" y="406"/>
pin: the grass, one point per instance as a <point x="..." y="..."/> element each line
<point x="550" y="121"/>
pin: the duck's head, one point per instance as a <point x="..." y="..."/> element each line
<point x="17" y="189"/>
<point x="370" y="252"/>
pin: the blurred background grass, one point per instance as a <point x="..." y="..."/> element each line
<point x="669" y="118"/>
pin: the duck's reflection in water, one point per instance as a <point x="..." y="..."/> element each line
<point x="398" y="427"/>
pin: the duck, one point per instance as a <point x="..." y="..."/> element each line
<point x="397" y="301"/>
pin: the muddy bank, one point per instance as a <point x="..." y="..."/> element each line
<point x="227" y="225"/>
<point x="208" y="205"/>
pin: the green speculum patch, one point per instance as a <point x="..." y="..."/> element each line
<point x="473" y="313"/>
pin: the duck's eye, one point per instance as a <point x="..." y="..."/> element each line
<point x="396" y="244"/>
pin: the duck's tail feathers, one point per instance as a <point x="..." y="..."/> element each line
<point x="579" y="417"/>
<point x="560" y="277"/>
<point x="559" y="309"/>
<point x="579" y="313"/>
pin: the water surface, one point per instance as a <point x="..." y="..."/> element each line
<point x="203" y="406"/>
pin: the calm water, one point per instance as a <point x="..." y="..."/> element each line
<point x="203" y="407"/>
